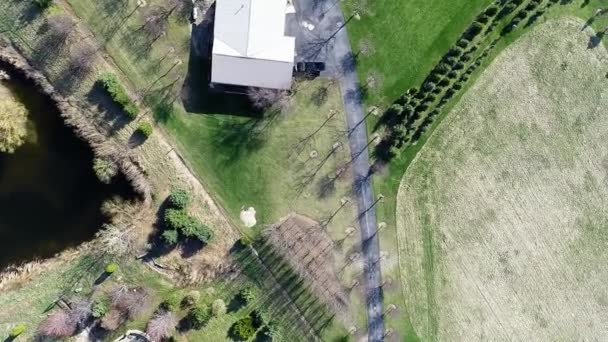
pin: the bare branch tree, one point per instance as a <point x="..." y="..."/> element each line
<point x="113" y="319"/>
<point x="58" y="324"/>
<point x="82" y="60"/>
<point x="59" y="28"/>
<point x="161" y="326"/>
<point x="114" y="240"/>
<point x="80" y="312"/>
<point x="155" y="22"/>
<point x="130" y="301"/>
<point x="269" y="99"/>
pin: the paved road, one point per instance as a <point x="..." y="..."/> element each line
<point x="329" y="42"/>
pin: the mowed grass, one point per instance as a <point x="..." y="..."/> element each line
<point x="263" y="163"/>
<point x="244" y="161"/>
<point x="502" y="216"/>
<point x="398" y="42"/>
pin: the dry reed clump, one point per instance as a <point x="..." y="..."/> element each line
<point x="71" y="112"/>
<point x="309" y="250"/>
<point x="14" y="275"/>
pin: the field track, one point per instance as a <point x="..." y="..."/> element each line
<point x="503" y="216"/>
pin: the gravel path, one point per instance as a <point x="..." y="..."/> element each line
<point x="328" y="42"/>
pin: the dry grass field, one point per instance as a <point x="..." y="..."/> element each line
<point x="502" y="218"/>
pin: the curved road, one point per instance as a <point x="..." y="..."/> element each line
<point x="329" y="42"/>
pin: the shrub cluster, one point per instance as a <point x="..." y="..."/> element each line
<point x="179" y="199"/>
<point x="117" y="92"/>
<point x="179" y="223"/>
<point x="199" y="316"/>
<point x="144" y="129"/>
<point x="243" y="329"/>
<point x="100" y="307"/>
<point x="111" y="268"/>
<point x="17" y="330"/>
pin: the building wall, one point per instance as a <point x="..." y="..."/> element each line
<point x="251" y="72"/>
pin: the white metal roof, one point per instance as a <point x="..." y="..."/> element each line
<point x="252" y="30"/>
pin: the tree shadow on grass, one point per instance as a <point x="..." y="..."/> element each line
<point x="190" y="247"/>
<point x="594" y="41"/>
<point x="112" y="113"/>
<point x="236" y="137"/>
<point x="158" y="247"/>
<point x="136" y="139"/>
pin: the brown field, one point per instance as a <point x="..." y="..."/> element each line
<point x="502" y="218"/>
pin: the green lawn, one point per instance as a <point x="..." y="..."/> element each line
<point x="387" y="62"/>
<point x="404" y="39"/>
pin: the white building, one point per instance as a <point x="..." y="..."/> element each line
<point x="249" y="44"/>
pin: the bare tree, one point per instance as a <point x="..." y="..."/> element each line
<point x="161" y="326"/>
<point x="113" y="319"/>
<point x="183" y="8"/>
<point x="269" y="99"/>
<point x="82" y="60"/>
<point x="114" y="240"/>
<point x="59" y="28"/>
<point x="130" y="301"/>
<point x="155" y="22"/>
<point x="80" y="312"/>
<point x="58" y="324"/>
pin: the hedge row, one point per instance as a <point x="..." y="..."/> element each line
<point x="117" y="92"/>
<point x="413" y="113"/>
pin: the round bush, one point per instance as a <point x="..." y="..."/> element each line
<point x="245" y="240"/>
<point x="199" y="315"/>
<point x="196" y="229"/>
<point x="491" y="11"/>
<point x="145" y="129"/>
<point x="482" y="18"/>
<point x="463" y="43"/>
<point x="176" y="219"/>
<point x="218" y="307"/>
<point x="243" y="329"/>
<point x="100" y="307"/>
<point x="172" y="302"/>
<point x="428" y="86"/>
<point x="111" y="268"/>
<point x="454" y="51"/>
<point x="170" y="237"/>
<point x="444" y="82"/>
<point x="17" y="330"/>
<point x="179" y="199"/>
<point x="247" y="295"/>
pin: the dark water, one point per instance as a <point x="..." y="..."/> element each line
<point x="50" y="198"/>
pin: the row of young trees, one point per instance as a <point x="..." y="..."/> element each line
<point x="410" y="116"/>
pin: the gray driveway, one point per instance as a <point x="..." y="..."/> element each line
<point x="330" y="44"/>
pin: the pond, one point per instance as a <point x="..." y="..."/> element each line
<point x="50" y="199"/>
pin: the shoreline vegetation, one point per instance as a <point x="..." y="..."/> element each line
<point x="101" y="146"/>
<point x="16" y="64"/>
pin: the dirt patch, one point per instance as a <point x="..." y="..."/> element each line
<point x="502" y="217"/>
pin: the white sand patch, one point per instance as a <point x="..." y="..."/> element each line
<point x="248" y="217"/>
